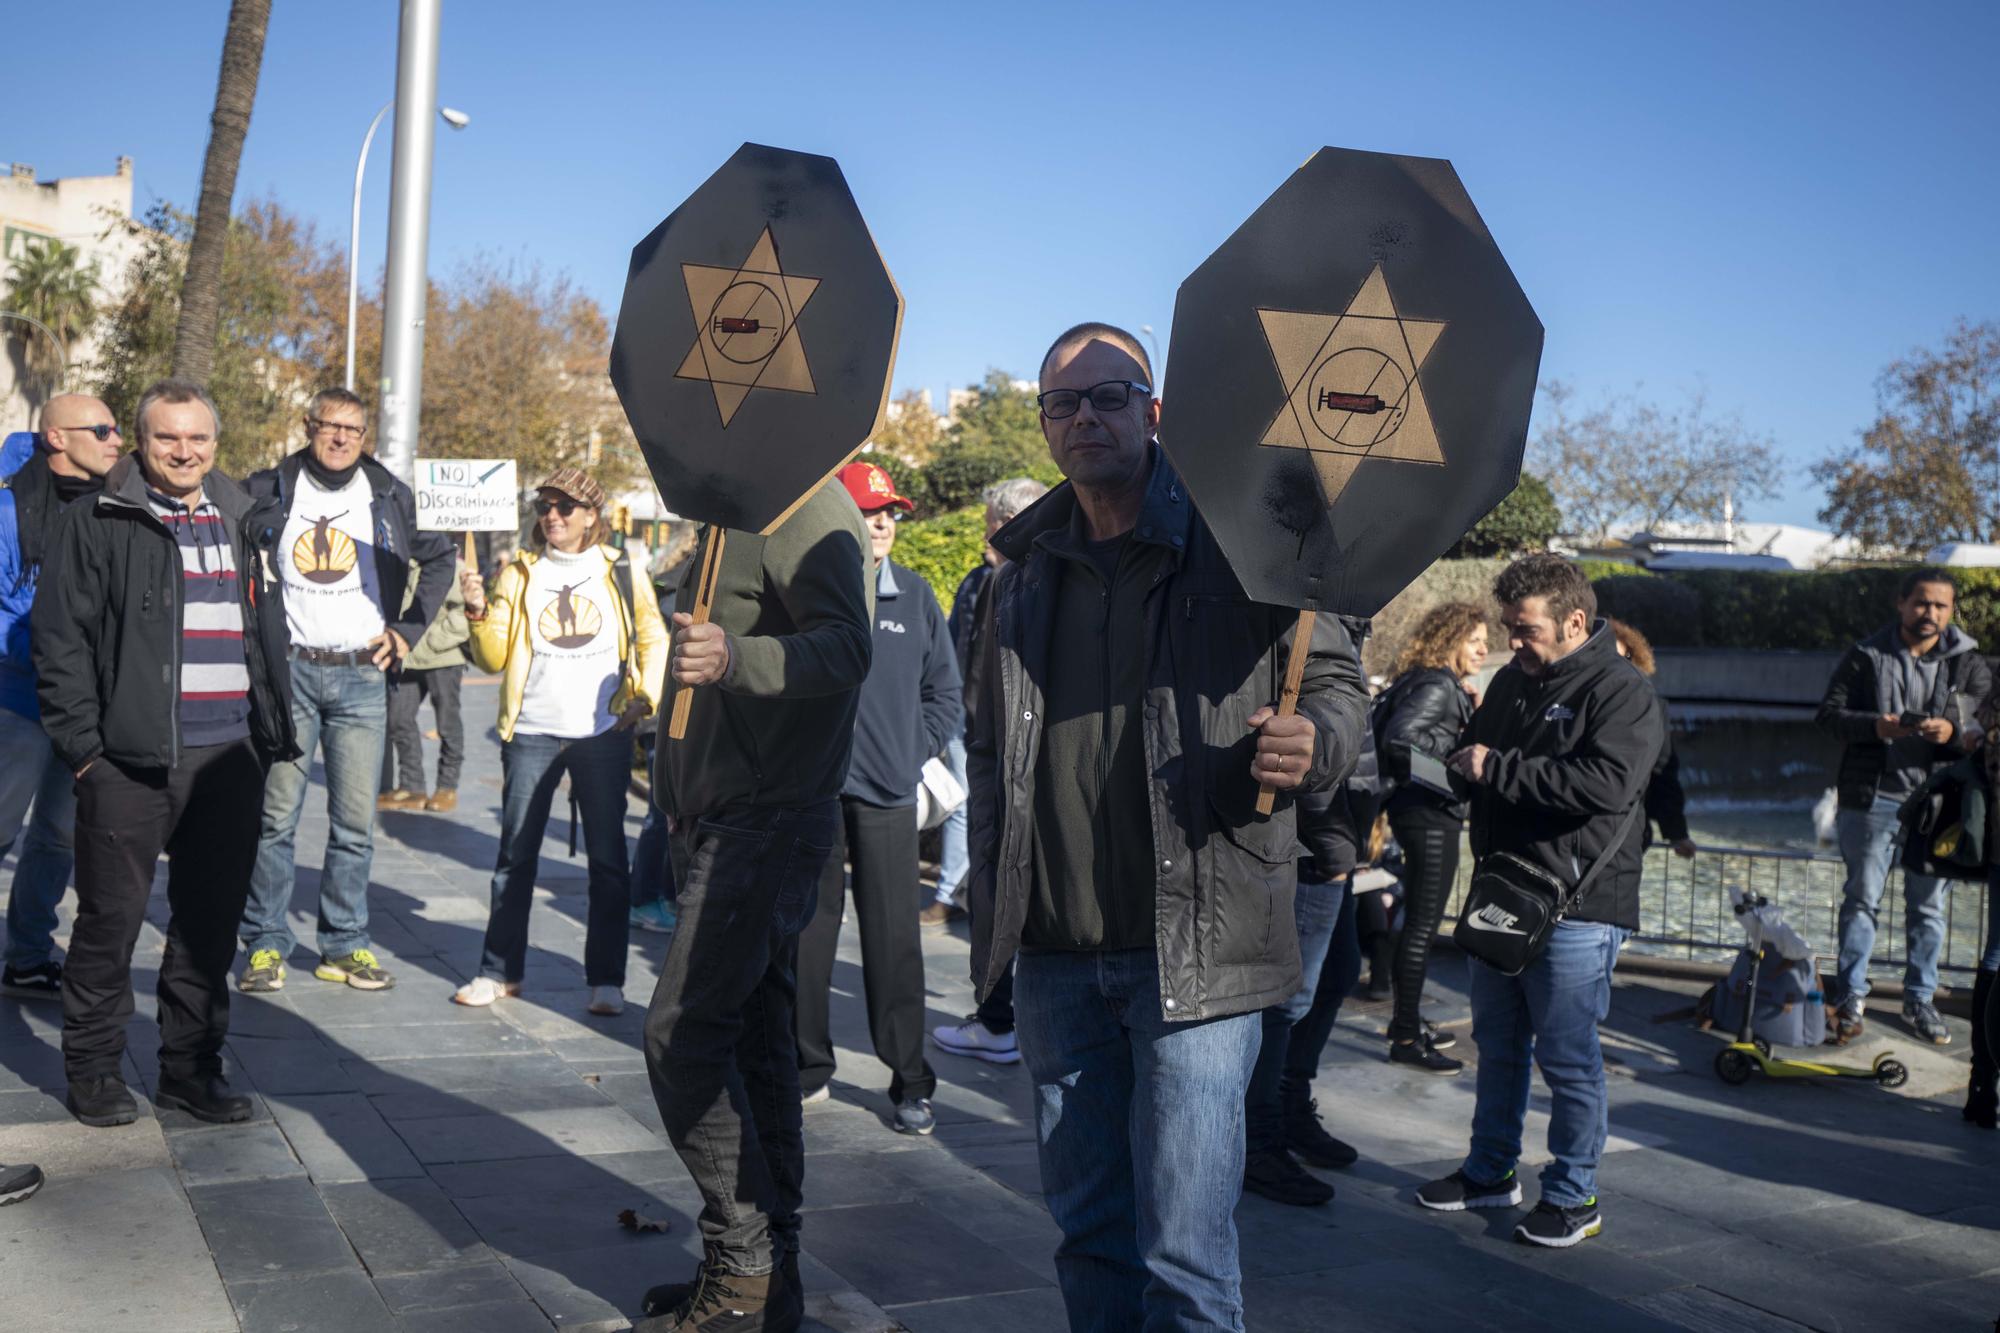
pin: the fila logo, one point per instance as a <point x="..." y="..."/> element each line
<point x="1496" y="919"/>
<point x="1559" y="713"/>
<point x="893" y="626"/>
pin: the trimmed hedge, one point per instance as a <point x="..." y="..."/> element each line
<point x="1817" y="610"/>
<point x="943" y="549"/>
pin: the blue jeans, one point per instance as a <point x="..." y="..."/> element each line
<point x="31" y="775"/>
<point x="343" y="711"/>
<point x="531" y="767"/>
<point x="1140" y="1124"/>
<point x="1317" y="909"/>
<point x="954" y="859"/>
<point x="652" y="866"/>
<point x="1549" y="1013"/>
<point x="1868" y="843"/>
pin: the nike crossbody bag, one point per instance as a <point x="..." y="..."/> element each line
<point x="1512" y="904"/>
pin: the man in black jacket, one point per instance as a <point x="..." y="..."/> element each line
<point x="909" y="712"/>
<point x="1128" y="716"/>
<point x="1903" y="700"/>
<point x="160" y="645"/>
<point x="1562" y="747"/>
<point x="350" y="533"/>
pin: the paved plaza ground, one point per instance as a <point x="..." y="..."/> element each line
<point x="420" y="1166"/>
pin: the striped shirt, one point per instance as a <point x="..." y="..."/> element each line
<point x="215" y="680"/>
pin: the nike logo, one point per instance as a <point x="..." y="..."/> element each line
<point x="1492" y="917"/>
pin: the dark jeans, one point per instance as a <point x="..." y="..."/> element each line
<point x="1429" y="839"/>
<point x="531" y="767"/>
<point x="652" y="864"/>
<point x="204" y="814"/>
<point x="996" y="1011"/>
<point x="719" y="1044"/>
<point x="1319" y="908"/>
<point x="882" y="843"/>
<point x="405" y="750"/>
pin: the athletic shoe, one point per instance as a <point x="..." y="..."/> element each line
<point x="820" y="1094"/>
<point x="1924" y="1020"/>
<point x="443" y="801"/>
<point x="102" y="1101"/>
<point x="18" y="1183"/>
<point x="1441" y="1039"/>
<point x="973" y="1038"/>
<point x="1558" y="1227"/>
<point x="1309" y="1142"/>
<point x="915" y="1116"/>
<point x="659" y="918"/>
<point x="43" y="981"/>
<point x="482" y="991"/>
<point x="1458" y="1192"/>
<point x="210" y="1099"/>
<point x="1423" y="1056"/>
<point x="265" y="973"/>
<point x="938" y="916"/>
<point x="1281" y="1180"/>
<point x="402" y="798"/>
<point x="606" y="1001"/>
<point x="358" y="969"/>
<point x="1844" y="1023"/>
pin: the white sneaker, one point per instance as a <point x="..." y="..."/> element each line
<point x="819" y="1094"/>
<point x="607" y="1000"/>
<point x="975" y="1039"/>
<point x="482" y="991"/>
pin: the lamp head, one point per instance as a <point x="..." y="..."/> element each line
<point x="455" y="118"/>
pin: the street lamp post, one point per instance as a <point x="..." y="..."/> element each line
<point x="458" y="120"/>
<point x="62" y="358"/>
<point x="1153" y="343"/>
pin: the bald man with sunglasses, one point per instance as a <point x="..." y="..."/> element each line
<point x="78" y="443"/>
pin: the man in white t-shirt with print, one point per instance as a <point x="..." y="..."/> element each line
<point x="344" y="560"/>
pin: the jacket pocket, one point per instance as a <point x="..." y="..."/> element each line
<point x="1252" y="878"/>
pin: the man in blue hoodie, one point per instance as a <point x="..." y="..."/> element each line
<point x="78" y="443"/>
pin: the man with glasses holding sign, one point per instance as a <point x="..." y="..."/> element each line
<point x="1125" y="725"/>
<point x="350" y="533"/>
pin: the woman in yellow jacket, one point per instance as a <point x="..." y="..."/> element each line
<point x="581" y="650"/>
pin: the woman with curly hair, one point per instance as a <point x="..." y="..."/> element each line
<point x="1425" y="712"/>
<point x="1666" y="800"/>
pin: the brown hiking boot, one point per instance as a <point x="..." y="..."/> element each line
<point x="443" y="800"/>
<point x="721" y="1300"/>
<point x="400" y="799"/>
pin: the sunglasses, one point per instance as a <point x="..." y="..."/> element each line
<point x="564" y="506"/>
<point x="102" y="431"/>
<point x="1110" y="396"/>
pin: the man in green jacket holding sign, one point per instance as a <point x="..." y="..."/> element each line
<point x="435" y="669"/>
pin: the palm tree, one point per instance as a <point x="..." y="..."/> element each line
<point x="54" y="287"/>
<point x="235" y="91"/>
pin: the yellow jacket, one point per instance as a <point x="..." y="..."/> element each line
<point x="500" y="640"/>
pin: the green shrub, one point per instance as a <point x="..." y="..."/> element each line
<point x="943" y="549"/>
<point x="1818" y="610"/>
<point x="1526" y="520"/>
<point x="1663" y="610"/>
<point x="1610" y="569"/>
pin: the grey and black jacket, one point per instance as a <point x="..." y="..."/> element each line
<point x="1572" y="752"/>
<point x="1224" y="878"/>
<point x="1858" y="694"/>
<point x="392" y="513"/>
<point x="107" y="626"/>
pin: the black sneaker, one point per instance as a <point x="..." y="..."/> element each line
<point x="1924" y="1020"/>
<point x="40" y="982"/>
<point x="1558" y="1227"/>
<point x="1441" y="1039"/>
<point x="1458" y="1192"/>
<point x="1424" y="1056"/>
<point x="102" y="1101"/>
<point x="915" y="1116"/>
<point x="18" y="1183"/>
<point x="210" y="1099"/>
<point x="1309" y="1142"/>
<point x="1281" y="1180"/>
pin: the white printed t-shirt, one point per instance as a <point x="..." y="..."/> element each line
<point x="333" y="598"/>
<point x="573" y="630"/>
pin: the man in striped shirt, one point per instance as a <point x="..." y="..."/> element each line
<point x="159" y="643"/>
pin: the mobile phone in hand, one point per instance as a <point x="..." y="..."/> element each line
<point x="1913" y="720"/>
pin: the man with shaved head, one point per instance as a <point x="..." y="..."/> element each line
<point x="78" y="443"/>
<point x="1127" y="718"/>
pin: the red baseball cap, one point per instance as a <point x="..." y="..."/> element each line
<point x="871" y="487"/>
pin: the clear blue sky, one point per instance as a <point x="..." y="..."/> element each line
<point x="1769" y="200"/>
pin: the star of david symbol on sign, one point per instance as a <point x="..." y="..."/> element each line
<point x="747" y="327"/>
<point x="1352" y="390"/>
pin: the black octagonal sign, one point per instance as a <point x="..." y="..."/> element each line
<point x="756" y="339"/>
<point x="1352" y="375"/>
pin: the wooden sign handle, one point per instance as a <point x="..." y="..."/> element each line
<point x="471" y="553"/>
<point x="704" y="598"/>
<point x="1288" y="701"/>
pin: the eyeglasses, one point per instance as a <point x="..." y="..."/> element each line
<point x="564" y="506"/>
<point x="1110" y="396"/>
<point x="103" y="430"/>
<point x="339" y="429"/>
